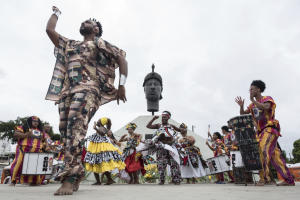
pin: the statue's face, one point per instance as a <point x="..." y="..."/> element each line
<point x="153" y="90"/>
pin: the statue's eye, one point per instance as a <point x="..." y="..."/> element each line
<point x="148" y="84"/>
<point x="156" y="83"/>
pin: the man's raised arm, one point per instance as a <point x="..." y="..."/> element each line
<point x="53" y="35"/>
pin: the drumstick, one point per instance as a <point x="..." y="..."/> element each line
<point x="208" y="131"/>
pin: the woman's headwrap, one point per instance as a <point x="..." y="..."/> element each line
<point x="183" y="126"/>
<point x="34" y="117"/>
<point x="131" y="125"/>
<point x="167" y="113"/>
<point x="104" y="121"/>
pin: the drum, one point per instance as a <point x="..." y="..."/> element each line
<point x="214" y="165"/>
<point x="224" y="162"/>
<point x="236" y="160"/>
<point x="37" y="163"/>
<point x="244" y="132"/>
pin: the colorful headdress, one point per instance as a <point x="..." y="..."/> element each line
<point x="167" y="113"/>
<point x="34" y="117"/>
<point x="104" y="121"/>
<point x="131" y="125"/>
<point x="183" y="126"/>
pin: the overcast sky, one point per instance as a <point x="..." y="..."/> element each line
<point x="207" y="53"/>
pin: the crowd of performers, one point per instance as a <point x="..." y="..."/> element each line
<point x="83" y="80"/>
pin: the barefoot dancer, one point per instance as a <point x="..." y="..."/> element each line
<point x="163" y="142"/>
<point x="228" y="145"/>
<point x="30" y="138"/>
<point x="133" y="166"/>
<point x="194" y="166"/>
<point x="102" y="156"/>
<point x="268" y="130"/>
<point x="216" y="148"/>
<point x="82" y="81"/>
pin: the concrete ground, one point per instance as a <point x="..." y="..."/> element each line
<point x="154" y="191"/>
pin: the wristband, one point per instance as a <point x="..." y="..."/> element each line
<point x="122" y="80"/>
<point x="57" y="13"/>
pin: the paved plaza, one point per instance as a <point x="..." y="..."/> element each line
<point x="153" y="191"/>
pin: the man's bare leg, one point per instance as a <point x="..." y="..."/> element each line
<point x="98" y="182"/>
<point x="77" y="183"/>
<point x="65" y="189"/>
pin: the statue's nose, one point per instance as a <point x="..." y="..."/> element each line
<point x="152" y="88"/>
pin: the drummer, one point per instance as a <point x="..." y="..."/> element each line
<point x="30" y="138"/>
<point x="228" y="145"/>
<point x="216" y="147"/>
<point x="268" y="129"/>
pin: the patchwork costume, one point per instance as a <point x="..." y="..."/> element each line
<point x="228" y="145"/>
<point x="82" y="81"/>
<point x="268" y="131"/>
<point x="218" y="150"/>
<point x="195" y="166"/>
<point x="168" y="151"/>
<point x="25" y="145"/>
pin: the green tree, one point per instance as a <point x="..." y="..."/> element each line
<point x="296" y="151"/>
<point x="7" y="129"/>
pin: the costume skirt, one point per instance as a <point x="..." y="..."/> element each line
<point x="102" y="156"/>
<point x="189" y="171"/>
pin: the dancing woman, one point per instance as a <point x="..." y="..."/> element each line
<point x="195" y="166"/>
<point x="30" y="136"/>
<point x="102" y="156"/>
<point x="133" y="166"/>
<point x="217" y="150"/>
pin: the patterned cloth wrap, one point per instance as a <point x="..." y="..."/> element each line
<point x="193" y="153"/>
<point x="229" y="144"/>
<point x="130" y="147"/>
<point x="148" y="159"/>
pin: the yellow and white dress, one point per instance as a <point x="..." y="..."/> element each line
<point x="103" y="156"/>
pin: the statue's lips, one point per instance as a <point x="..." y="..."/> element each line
<point x="152" y="93"/>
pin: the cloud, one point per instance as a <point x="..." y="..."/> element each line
<point x="207" y="53"/>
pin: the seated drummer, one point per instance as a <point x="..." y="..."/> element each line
<point x="30" y="138"/>
<point x="228" y="145"/>
<point x="216" y="147"/>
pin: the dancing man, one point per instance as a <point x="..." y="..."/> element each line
<point x="82" y="81"/>
<point x="268" y="130"/>
<point x="163" y="142"/>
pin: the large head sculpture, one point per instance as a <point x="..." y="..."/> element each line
<point x="153" y="88"/>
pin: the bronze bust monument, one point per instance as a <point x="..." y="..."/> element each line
<point x="153" y="88"/>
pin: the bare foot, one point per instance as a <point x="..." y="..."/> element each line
<point x="97" y="183"/>
<point x="260" y="183"/>
<point x="285" y="184"/>
<point x="109" y="182"/>
<point x="130" y="182"/>
<point x="193" y="182"/>
<point x="76" y="184"/>
<point x="162" y="182"/>
<point x="65" y="189"/>
<point x="34" y="184"/>
<point x="12" y="184"/>
<point x="271" y="183"/>
<point x="136" y="181"/>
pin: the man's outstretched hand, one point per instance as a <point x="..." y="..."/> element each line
<point x="121" y="94"/>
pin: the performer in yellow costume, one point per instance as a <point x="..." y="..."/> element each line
<point x="102" y="156"/>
